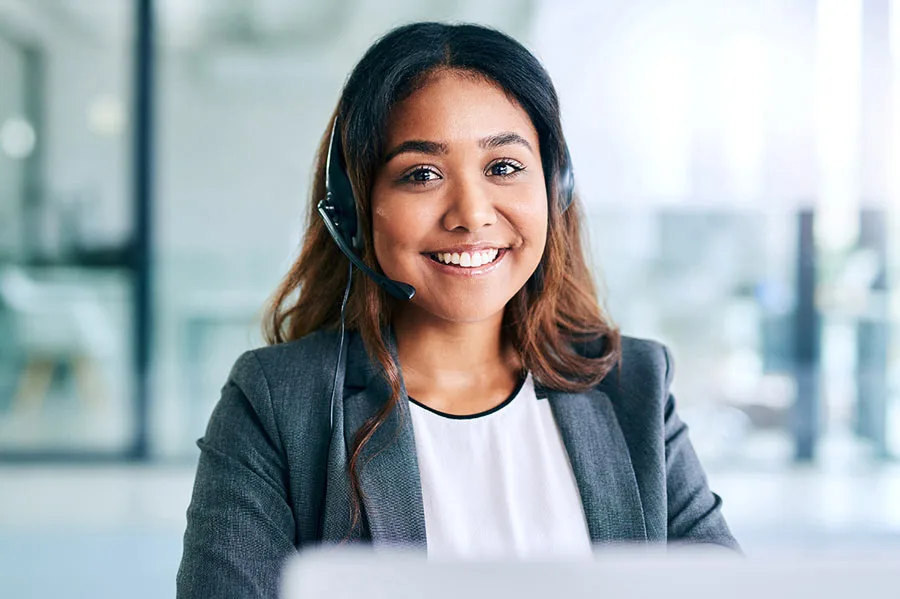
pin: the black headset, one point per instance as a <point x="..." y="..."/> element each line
<point x="339" y="211"/>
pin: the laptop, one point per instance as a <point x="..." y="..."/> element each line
<point x="358" y="573"/>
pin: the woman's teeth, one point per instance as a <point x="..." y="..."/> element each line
<point x="467" y="259"/>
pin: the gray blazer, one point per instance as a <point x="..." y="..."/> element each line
<point x="272" y="475"/>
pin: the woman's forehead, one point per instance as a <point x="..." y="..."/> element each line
<point x="452" y="107"/>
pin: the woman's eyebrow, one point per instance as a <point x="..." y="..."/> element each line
<point x="504" y="139"/>
<point x="435" y="148"/>
<point x="419" y="146"/>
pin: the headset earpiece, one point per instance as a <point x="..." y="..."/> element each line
<point x="566" y="182"/>
<point x="340" y="204"/>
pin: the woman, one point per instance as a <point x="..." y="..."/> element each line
<point x="483" y="405"/>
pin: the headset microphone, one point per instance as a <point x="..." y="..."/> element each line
<point x="402" y="291"/>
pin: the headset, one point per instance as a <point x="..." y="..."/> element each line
<point x="340" y="212"/>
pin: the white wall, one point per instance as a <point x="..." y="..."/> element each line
<point x="710" y="102"/>
<point x="82" y="163"/>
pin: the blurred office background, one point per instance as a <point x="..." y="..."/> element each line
<point x="738" y="162"/>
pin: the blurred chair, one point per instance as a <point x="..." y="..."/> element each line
<point x="57" y="322"/>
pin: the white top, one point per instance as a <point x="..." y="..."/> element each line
<point x="499" y="484"/>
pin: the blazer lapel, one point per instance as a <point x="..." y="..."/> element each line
<point x="601" y="463"/>
<point x="388" y="467"/>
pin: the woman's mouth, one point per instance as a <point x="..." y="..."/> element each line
<point x="467" y="259"/>
<point x="471" y="263"/>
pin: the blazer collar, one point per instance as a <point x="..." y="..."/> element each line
<point x="389" y="473"/>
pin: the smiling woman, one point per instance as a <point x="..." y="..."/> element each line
<point x="484" y="405"/>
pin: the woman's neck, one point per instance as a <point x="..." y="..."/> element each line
<point x="443" y="362"/>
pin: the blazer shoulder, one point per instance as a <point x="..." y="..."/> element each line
<point x="269" y="372"/>
<point x="645" y="357"/>
<point x="642" y="376"/>
<point x="303" y="352"/>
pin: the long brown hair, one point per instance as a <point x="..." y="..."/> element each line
<point x="550" y="321"/>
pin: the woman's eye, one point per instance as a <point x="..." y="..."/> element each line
<point x="505" y="168"/>
<point x="421" y="176"/>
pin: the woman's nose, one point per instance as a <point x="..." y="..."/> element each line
<point x="471" y="207"/>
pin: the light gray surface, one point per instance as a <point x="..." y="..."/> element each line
<point x="612" y="574"/>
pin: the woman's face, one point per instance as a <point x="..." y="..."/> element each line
<point x="462" y="183"/>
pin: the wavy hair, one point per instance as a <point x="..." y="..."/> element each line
<point x="550" y="321"/>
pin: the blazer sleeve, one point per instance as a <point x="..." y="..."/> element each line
<point x="240" y="526"/>
<point x="694" y="512"/>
